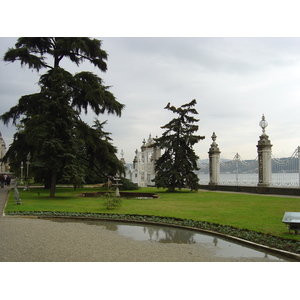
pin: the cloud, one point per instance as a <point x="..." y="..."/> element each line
<point x="234" y="80"/>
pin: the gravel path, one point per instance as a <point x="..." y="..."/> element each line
<point x="42" y="240"/>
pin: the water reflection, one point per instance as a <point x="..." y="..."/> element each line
<point x="215" y="241"/>
<point x="152" y="233"/>
<point x="165" y="234"/>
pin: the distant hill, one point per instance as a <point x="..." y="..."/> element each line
<point x="283" y="165"/>
<point x="250" y="167"/>
<point x="206" y="161"/>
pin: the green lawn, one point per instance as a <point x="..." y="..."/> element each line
<point x="254" y="212"/>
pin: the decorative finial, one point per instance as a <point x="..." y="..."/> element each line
<point x="214" y="145"/>
<point x="263" y="124"/>
<point x="214" y="137"/>
<point x="122" y="159"/>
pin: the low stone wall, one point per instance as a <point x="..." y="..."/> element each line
<point x="253" y="189"/>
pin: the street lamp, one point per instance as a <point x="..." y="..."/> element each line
<point x="27" y="163"/>
<point x="263" y="124"/>
<point x="22" y="166"/>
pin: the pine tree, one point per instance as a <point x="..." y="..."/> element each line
<point x="175" y="168"/>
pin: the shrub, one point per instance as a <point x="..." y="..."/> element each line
<point x="111" y="201"/>
<point x="127" y="185"/>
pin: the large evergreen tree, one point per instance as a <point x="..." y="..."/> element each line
<point x="175" y="168"/>
<point x="51" y="128"/>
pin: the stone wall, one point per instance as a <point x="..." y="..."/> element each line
<point x="253" y="189"/>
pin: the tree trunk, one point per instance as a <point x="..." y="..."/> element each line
<point x="47" y="180"/>
<point x="53" y="184"/>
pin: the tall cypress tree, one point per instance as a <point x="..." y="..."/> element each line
<point x="175" y="168"/>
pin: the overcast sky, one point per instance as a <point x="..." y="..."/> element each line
<point x="234" y="80"/>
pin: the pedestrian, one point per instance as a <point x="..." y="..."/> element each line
<point x="2" y="180"/>
<point x="8" y="180"/>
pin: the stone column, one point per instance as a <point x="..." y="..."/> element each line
<point x="264" y="150"/>
<point x="214" y="162"/>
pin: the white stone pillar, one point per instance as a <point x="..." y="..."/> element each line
<point x="214" y="162"/>
<point x="264" y="150"/>
<point x="299" y="166"/>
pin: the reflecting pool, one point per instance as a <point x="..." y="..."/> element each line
<point x="167" y="234"/>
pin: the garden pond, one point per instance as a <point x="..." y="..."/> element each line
<point x="167" y="234"/>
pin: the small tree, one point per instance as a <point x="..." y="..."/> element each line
<point x="175" y="168"/>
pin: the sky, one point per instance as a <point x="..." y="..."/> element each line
<point x="235" y="80"/>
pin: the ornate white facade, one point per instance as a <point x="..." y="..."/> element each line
<point x="143" y="172"/>
<point x="3" y="167"/>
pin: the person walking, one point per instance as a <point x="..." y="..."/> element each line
<point x="2" y="181"/>
<point x="8" y="180"/>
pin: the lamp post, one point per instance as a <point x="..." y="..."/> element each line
<point x="22" y="167"/>
<point x="27" y="163"/>
<point x="264" y="150"/>
<point x="214" y="162"/>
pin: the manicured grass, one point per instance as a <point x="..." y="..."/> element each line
<point x="254" y="212"/>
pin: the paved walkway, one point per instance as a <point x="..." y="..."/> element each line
<point x="3" y="195"/>
<point x="32" y="239"/>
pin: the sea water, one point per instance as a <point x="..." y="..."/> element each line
<point x="251" y="179"/>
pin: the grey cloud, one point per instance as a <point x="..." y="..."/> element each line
<point x="234" y="81"/>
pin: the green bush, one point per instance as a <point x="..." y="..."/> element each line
<point x="111" y="201"/>
<point x="127" y="185"/>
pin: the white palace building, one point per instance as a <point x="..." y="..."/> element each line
<point x="3" y="167"/>
<point x="142" y="173"/>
